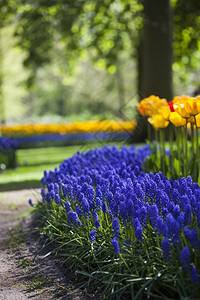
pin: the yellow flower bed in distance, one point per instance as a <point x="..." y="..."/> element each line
<point x="76" y="127"/>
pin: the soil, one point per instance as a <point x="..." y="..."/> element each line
<point x="25" y="271"/>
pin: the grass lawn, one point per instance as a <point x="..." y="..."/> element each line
<point x="32" y="162"/>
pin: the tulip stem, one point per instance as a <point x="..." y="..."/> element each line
<point x="183" y="150"/>
<point x="161" y="166"/>
<point x="162" y="145"/>
<point x="192" y="138"/>
<point x="186" y="149"/>
<point x="197" y="146"/>
<point x="149" y="132"/>
<point x="179" y="150"/>
<point x="171" y="149"/>
<point x="163" y="142"/>
<point x="157" y="142"/>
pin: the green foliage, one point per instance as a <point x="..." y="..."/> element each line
<point x="138" y="272"/>
<point x="186" y="30"/>
<point x="58" y="95"/>
<point x="8" y="159"/>
<point x="7" y="9"/>
<point x="106" y="32"/>
<point x="102" y="31"/>
<point x="104" y="28"/>
<point x="183" y="157"/>
<point x="186" y="40"/>
<point x="34" y="34"/>
<point x="91" y="93"/>
<point x="12" y="75"/>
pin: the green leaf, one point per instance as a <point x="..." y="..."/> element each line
<point x="177" y="166"/>
<point x="192" y="162"/>
<point x="199" y="179"/>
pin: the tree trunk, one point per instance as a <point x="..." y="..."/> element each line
<point x="157" y="50"/>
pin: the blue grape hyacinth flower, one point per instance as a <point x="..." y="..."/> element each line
<point x="185" y="258"/>
<point x="115" y="245"/>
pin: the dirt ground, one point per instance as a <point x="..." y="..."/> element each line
<point x="24" y="273"/>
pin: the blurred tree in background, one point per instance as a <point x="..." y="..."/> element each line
<point x="101" y="32"/>
<point x="97" y="57"/>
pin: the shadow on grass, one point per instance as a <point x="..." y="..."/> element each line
<point x="36" y="164"/>
<point x="21" y="185"/>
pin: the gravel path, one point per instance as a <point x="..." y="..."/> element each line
<point x="22" y="276"/>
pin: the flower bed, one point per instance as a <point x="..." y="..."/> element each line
<point x="89" y="126"/>
<point x="178" y="122"/>
<point x="131" y="234"/>
<point x="70" y="139"/>
<point x="8" y="147"/>
<point x="31" y="135"/>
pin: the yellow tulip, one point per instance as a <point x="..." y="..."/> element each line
<point x="192" y="106"/>
<point x="165" y="111"/>
<point x="186" y="106"/>
<point x="150" y="106"/>
<point x="176" y="119"/>
<point x="180" y="98"/>
<point x="197" y="117"/>
<point x="180" y="108"/>
<point x="191" y="120"/>
<point x="158" y="122"/>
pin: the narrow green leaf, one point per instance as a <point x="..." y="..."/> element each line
<point x="177" y="166"/>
